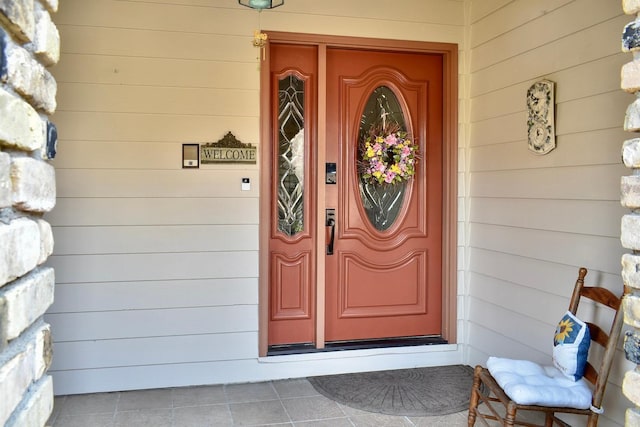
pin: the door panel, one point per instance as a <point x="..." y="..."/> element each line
<point x="384" y="283"/>
<point x="292" y="237"/>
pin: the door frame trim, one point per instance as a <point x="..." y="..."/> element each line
<point x="449" y="53"/>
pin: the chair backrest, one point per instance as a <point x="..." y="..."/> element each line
<point x="608" y="339"/>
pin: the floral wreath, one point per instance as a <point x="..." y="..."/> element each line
<point x="387" y="155"/>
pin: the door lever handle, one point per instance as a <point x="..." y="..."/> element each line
<point x="331" y="222"/>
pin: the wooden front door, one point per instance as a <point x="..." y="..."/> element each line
<point x="384" y="276"/>
<point x="382" y="244"/>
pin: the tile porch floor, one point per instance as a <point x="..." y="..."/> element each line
<point x="293" y="403"/>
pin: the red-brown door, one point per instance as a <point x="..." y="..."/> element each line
<point x="383" y="277"/>
<point x="292" y="254"/>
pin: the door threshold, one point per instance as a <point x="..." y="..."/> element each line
<point x="303" y="348"/>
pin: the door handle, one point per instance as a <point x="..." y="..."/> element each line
<point x="330" y="221"/>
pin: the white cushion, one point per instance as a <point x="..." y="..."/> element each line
<point x="528" y="383"/>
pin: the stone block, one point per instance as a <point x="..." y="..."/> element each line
<point x="46" y="44"/>
<point x="15" y="377"/>
<point x="631" y="7"/>
<point x="20" y="367"/>
<point x="631" y="270"/>
<point x="631" y="387"/>
<point x="631" y="310"/>
<point x="37" y="406"/>
<point x="46" y="240"/>
<point x="43" y="350"/>
<point x="630" y="76"/>
<point x="20" y="249"/>
<point x="630" y="191"/>
<point x="632" y="117"/>
<point x="632" y="347"/>
<point x="631" y="153"/>
<point x="632" y="417"/>
<point x="25" y="300"/>
<point x="34" y="185"/>
<point x="20" y="125"/>
<point x="18" y="16"/>
<point x="630" y="231"/>
<point x="30" y="78"/>
<point x="5" y="179"/>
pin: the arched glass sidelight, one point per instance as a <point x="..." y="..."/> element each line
<point x="291" y="158"/>
<point x="382" y="202"/>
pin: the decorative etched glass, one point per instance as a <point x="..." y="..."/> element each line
<point x="291" y="155"/>
<point x="382" y="203"/>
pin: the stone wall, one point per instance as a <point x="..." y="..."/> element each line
<point x="29" y="42"/>
<point x="630" y="198"/>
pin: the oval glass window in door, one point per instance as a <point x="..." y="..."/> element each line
<point x="382" y="195"/>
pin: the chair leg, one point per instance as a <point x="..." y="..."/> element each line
<point x="510" y="416"/>
<point x="473" y="401"/>
<point x="593" y="420"/>
<point x="548" y="419"/>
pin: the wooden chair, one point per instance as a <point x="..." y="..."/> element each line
<point x="486" y="390"/>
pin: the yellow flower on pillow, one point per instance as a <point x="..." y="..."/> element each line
<point x="564" y="329"/>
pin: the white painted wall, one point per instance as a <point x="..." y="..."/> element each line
<point x="533" y="220"/>
<point x="156" y="266"/>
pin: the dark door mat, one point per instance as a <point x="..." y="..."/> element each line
<point x="439" y="390"/>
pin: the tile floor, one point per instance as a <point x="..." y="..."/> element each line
<point x="275" y="403"/>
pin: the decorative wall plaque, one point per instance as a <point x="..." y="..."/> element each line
<point x="540" y="117"/>
<point x="228" y="150"/>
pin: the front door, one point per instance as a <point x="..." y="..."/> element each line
<point x="384" y="276"/>
<point x="382" y="242"/>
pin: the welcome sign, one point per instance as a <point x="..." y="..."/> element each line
<point x="228" y="150"/>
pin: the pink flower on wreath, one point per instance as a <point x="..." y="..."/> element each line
<point x="391" y="140"/>
<point x="379" y="166"/>
<point x="389" y="177"/>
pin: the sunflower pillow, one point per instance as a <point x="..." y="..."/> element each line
<point x="571" y="346"/>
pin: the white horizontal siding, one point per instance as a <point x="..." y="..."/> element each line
<point x="144" y="351"/>
<point x="121" y="324"/>
<point x="76" y="298"/>
<point x="157" y="266"/>
<point x="549" y="215"/>
<point x="150" y="211"/>
<point x="585" y="148"/>
<point x="145" y="99"/>
<point x="156" y="183"/>
<point x="152" y="239"/>
<point x="541" y="183"/>
<point x="547" y="19"/>
<point x="95" y="68"/>
<point x="509" y="100"/>
<point x="577" y="48"/>
<point x="533" y="220"/>
<point x="594" y="113"/>
<point x="147" y="127"/>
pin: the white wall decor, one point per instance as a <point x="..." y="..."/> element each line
<point x="540" y="117"/>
